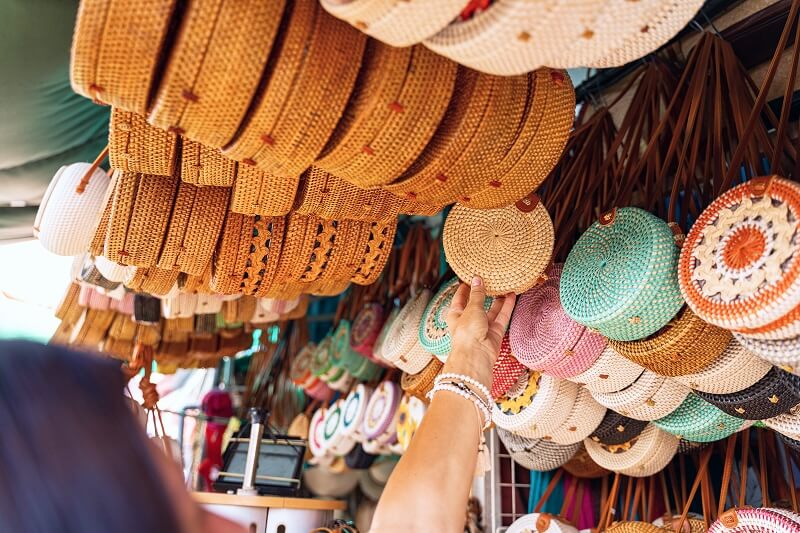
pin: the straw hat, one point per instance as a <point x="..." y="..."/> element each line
<point x="585" y="416"/>
<point x="536" y="454"/>
<point x="544" y="337"/>
<point x="642" y="456"/>
<point x="397" y="23"/>
<point x="400" y="98"/>
<point x="496" y="244"/>
<point x="305" y="93"/>
<point x="536" y="406"/>
<point x="736" y="369"/>
<point x="506" y="370"/>
<point x="620" y="277"/>
<point x="136" y="146"/>
<point x="401" y="346"/>
<point x="731" y="268"/>
<point x="617" y="429"/>
<point x="111" y="64"/>
<point x="205" y="166"/>
<point x="66" y="220"/>
<point x="198" y="95"/>
<point x="699" y="421"/>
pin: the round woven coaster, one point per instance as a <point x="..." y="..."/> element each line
<point x="509" y="247"/>
<point x="784" y="353"/>
<point x="315" y="64"/>
<point x="400" y="98"/>
<point x="736" y="267"/>
<point x="376" y="252"/>
<point x="397" y="23"/>
<point x="620" y="277"/>
<point x="610" y="373"/>
<point x="684" y="346"/>
<point x="536" y="454"/>
<point x="411" y="412"/>
<point x="111" y="64"/>
<point x="198" y="95"/>
<point x="584" y="418"/>
<point x="774" y="394"/>
<point x="650" y="397"/>
<point x="506" y="370"/>
<point x="136" y="146"/>
<point x="536" y="406"/>
<point x="247" y="254"/>
<point x="538" y="146"/>
<point x="545" y="338"/>
<point x="401" y="346"/>
<point x="433" y="333"/>
<point x="421" y="384"/>
<point x="66" y="219"/>
<point x="698" y="421"/>
<point x="540" y="522"/>
<point x="205" y="166"/>
<point x="617" y="429"/>
<point x="735" y="370"/>
<point x="642" y="456"/>
<point x="381" y="409"/>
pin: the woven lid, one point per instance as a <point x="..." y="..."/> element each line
<point x="774" y="394"/>
<point x="585" y="416"/>
<point x="111" y="64"/>
<point x="411" y="411"/>
<point x="610" y="373"/>
<point x="508" y="247"/>
<point x="644" y="455"/>
<point x="735" y="370"/>
<point x="401" y="346"/>
<point x="66" y="220"/>
<point x="421" y="384"/>
<point x="685" y="345"/>
<point x="545" y="338"/>
<point x="698" y="421"/>
<point x="433" y="333"/>
<point x="536" y="454"/>
<point x="399" y="99"/>
<point x="784" y="352"/>
<point x="736" y="266"/>
<point x="617" y="429"/>
<point x="536" y="406"/>
<point x="506" y="370"/>
<point x="305" y="92"/>
<point x="540" y="522"/>
<point x="381" y="409"/>
<point x="620" y="277"/>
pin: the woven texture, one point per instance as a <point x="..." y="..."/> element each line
<point x="376" y="252"/>
<point x="761" y="519"/>
<point x="684" y="346"/>
<point x="110" y="270"/>
<point x="509" y="247"/>
<point x="784" y="353"/>
<point x="610" y="373"/>
<point x="735" y="370"/>
<point x="617" y="429"/>
<point x="774" y="394"/>
<point x="582" y="466"/>
<point x="419" y="385"/>
<point x="536" y="454"/>
<point x="401" y="346"/>
<point x="620" y="277"/>
<point x="111" y="64"/>
<point x="650" y="397"/>
<point x="381" y="409"/>
<point x="214" y="68"/>
<point x="309" y="80"/>
<point x="152" y="280"/>
<point x="66" y="220"/>
<point x="136" y="146"/>
<point x="544" y="337"/>
<point x="355" y="409"/>
<point x="642" y="456"/>
<point x="698" y="421"/>
<point x="205" y="166"/>
<point x="366" y="327"/>
<point x="737" y="267"/>
<point x="506" y="370"/>
<point x="787" y="424"/>
<point x="585" y="416"/>
<point x="411" y="412"/>
<point x="259" y="193"/>
<point x="536" y="406"/>
<point x="400" y="97"/>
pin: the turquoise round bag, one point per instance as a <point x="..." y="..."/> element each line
<point x="621" y="277"/>
<point x="343" y="355"/>
<point x="696" y="420"/>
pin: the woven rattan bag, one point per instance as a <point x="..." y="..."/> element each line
<point x="205" y="166"/>
<point x="736" y="369"/>
<point x="71" y="208"/>
<point x="509" y="248"/>
<point x="621" y="278"/>
<point x="610" y="373"/>
<point x="536" y="406"/>
<point x="617" y="429"/>
<point x="506" y="370"/>
<point x="584" y="418"/>
<point x="373" y="257"/>
<point x="401" y="346"/>
<point x="698" y="421"/>
<point x="112" y="64"/>
<point x="136" y="146"/>
<point x="306" y="89"/>
<point x="650" y="397"/>
<point x="642" y="456"/>
<point x="535" y="522"/>
<point x="152" y="280"/>
<point x="214" y="68"/>
<point x="774" y="394"/>
<point x="536" y="454"/>
<point x="784" y="353"/>
<point x="419" y="385"/>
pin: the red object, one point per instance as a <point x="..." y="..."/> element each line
<point x="507" y="370"/>
<point x="216" y="403"/>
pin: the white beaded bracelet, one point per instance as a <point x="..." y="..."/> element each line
<point x="466" y="379"/>
<point x="467" y="394"/>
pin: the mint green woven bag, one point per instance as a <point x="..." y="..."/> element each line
<point x="696" y="420"/>
<point x="621" y="277"/>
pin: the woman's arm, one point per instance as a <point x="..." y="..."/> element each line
<point x="429" y="489"/>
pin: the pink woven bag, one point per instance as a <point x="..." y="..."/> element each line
<point x="543" y="337"/>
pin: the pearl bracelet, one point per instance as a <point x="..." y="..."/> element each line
<point x="465" y="379"/>
<point x="468" y="395"/>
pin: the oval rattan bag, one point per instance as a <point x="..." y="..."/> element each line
<point x="650" y="397"/>
<point x="355" y="409"/>
<point x="536" y="454"/>
<point x="698" y="421"/>
<point x="509" y="248"/>
<point x="373" y="257"/>
<point x="760" y="519"/>
<point x="610" y="373"/>
<point x="737" y="266"/>
<point x="506" y="370"/>
<point x="401" y="346"/>
<point x="205" y="166"/>
<point x="620" y="277"/>
<point x="419" y="385"/>
<point x="136" y="146"/>
<point x="544" y="337"/>
<point x="617" y="429"/>
<point x="643" y="456"/>
<point x="736" y="369"/>
<point x="784" y="353"/>
<point x="540" y="523"/>
<point x="381" y="409"/>
<point x="584" y="418"/>
<point x="774" y="394"/>
<point x="152" y="280"/>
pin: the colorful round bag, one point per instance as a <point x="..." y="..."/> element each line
<point x="620" y="277"/>
<point x="544" y="337"/>
<point x="421" y="384"/>
<point x="643" y="456"/>
<point x="536" y="406"/>
<point x="540" y="523"/>
<point x="506" y="370"/>
<point x="784" y="353"/>
<point x="697" y="420"/>
<point x="584" y="418"/>
<point x="409" y="418"/>
<point x="536" y="454"/>
<point x="756" y="520"/>
<point x="401" y="346"/>
<point x="650" y="397"/>
<point x="366" y="328"/>
<point x="787" y="424"/>
<point x="739" y="265"/>
<point x="617" y="429"/>
<point x="336" y="440"/>
<point x="381" y="409"/>
<point x="774" y="394"/>
<point x="354" y="411"/>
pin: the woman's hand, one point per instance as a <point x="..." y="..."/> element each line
<point x="476" y="334"/>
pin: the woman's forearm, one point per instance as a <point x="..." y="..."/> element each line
<point x="429" y="489"/>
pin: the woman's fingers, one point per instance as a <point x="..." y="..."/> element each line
<point x="497" y="304"/>
<point x="456" y="307"/>
<point x="500" y="322"/>
<point x="477" y="295"/>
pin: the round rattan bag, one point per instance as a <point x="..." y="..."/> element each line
<point x="541" y="523"/>
<point x="536" y="454"/>
<point x="544" y="337"/>
<point x="784" y="353"/>
<point x="610" y="373"/>
<point x="774" y="394"/>
<point x="617" y="429"/>
<point x="738" y="266"/>
<point x="381" y="410"/>
<point x="419" y="385"/>
<point x="650" y="397"/>
<point x="735" y="370"/>
<point x="787" y="424"/>
<point x="620" y="277"/>
<point x="760" y="519"/>
<point x="401" y="346"/>
<point x="509" y="248"/>
<point x="582" y="466"/>
<point x="642" y="456"/>
<point x="366" y="327"/>
<point x="506" y="370"/>
<point x="584" y="418"/>
<point x="410" y="415"/>
<point x="698" y="421"/>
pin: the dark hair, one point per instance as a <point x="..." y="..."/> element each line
<point x="73" y="457"/>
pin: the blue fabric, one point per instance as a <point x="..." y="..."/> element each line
<point x="539" y="482"/>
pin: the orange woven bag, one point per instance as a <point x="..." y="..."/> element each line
<point x="259" y="193"/>
<point x="202" y="165"/>
<point x="136" y="146"/>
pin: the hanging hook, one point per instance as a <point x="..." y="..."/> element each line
<point x="710" y="22"/>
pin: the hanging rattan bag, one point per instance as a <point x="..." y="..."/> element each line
<point x="584" y="418"/>
<point x="506" y="370"/>
<point x="411" y="412"/>
<point x="617" y="429"/>
<point x="381" y="411"/>
<point x="152" y="280"/>
<point x="419" y="385"/>
<point x="205" y="166"/>
<point x="610" y="373"/>
<point x="774" y="394"/>
<point x="643" y="456"/>
<point x="373" y="257"/>
<point x="136" y="146"/>
<point x="650" y="397"/>
<point x="401" y="346"/>
<point x="533" y="522"/>
<point x="736" y="369"/>
<point x="784" y="353"/>
<point x="620" y="277"/>
<point x="698" y="421"/>
<point x="536" y="454"/>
